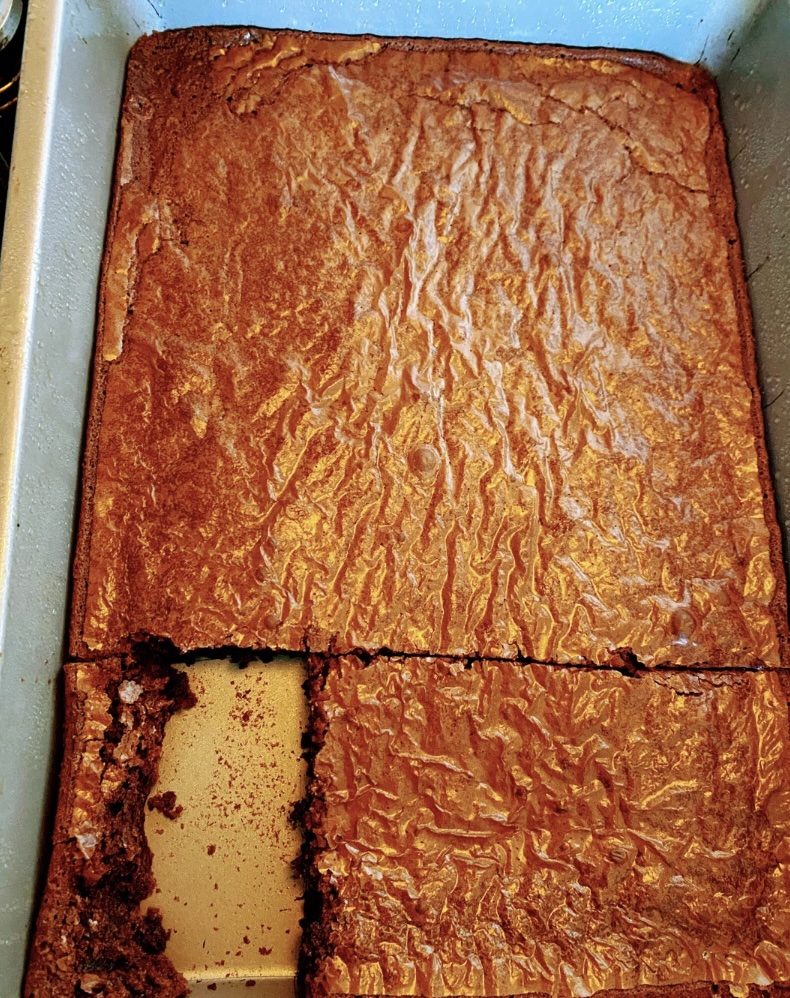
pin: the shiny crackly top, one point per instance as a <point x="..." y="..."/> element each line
<point x="500" y="829"/>
<point x="429" y="350"/>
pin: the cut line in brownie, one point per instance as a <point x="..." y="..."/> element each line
<point x="92" y="936"/>
<point x="502" y="829"/>
<point x="437" y="346"/>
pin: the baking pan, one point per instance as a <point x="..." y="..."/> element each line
<point x="225" y="884"/>
<point x="73" y="67"/>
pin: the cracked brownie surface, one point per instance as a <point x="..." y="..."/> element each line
<point x="425" y="345"/>
<point x="496" y="829"/>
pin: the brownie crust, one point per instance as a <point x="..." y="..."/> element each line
<point x="527" y="467"/>
<point x="92" y="936"/>
<point x="501" y="829"/>
<point x="700" y="990"/>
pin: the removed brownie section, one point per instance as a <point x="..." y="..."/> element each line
<point x="500" y="829"/>
<point x="92" y="936"/>
<point x="224" y="870"/>
<point x="425" y="345"/>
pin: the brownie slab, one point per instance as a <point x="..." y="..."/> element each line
<point x="92" y="936"/>
<point x="425" y="345"/>
<point x="501" y="829"/>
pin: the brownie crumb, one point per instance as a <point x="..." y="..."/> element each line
<point x="211" y="850"/>
<point x="165" y="803"/>
<point x="151" y="934"/>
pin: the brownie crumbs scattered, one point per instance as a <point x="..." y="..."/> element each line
<point x="165" y="803"/>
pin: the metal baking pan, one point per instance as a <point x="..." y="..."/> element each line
<point x="73" y="68"/>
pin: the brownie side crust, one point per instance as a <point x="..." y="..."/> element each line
<point x="322" y="905"/>
<point x="501" y="829"/>
<point x="92" y="936"/>
<point x="307" y="546"/>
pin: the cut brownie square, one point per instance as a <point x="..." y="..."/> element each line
<point x="497" y="829"/>
<point x="92" y="936"/>
<point x="435" y="346"/>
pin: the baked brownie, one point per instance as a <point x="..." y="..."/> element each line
<point x="435" y="346"/>
<point x="496" y="829"/>
<point x="92" y="936"/>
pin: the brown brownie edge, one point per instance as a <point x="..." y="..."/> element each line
<point x="91" y="932"/>
<point x="320" y="900"/>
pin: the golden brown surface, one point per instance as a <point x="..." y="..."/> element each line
<point x="502" y="829"/>
<point x="435" y="350"/>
